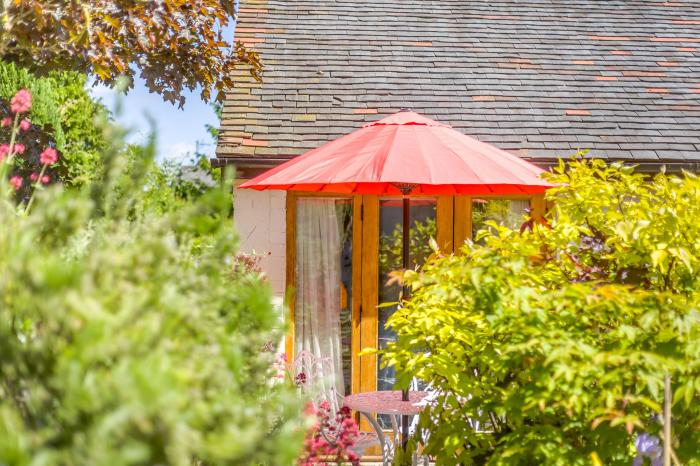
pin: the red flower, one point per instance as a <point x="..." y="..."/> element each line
<point x="49" y="156"/>
<point x="300" y="379"/>
<point x="4" y="150"/>
<point x="33" y="177"/>
<point x="7" y="121"/>
<point x="45" y="179"/>
<point x="16" y="182"/>
<point x="21" y="102"/>
<point x="330" y="438"/>
<point x="18" y="148"/>
<point x="24" y="125"/>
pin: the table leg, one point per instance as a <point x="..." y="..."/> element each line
<point x="387" y="454"/>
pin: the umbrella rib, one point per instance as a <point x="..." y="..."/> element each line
<point x="390" y="142"/>
<point x="498" y="161"/>
<point x="461" y="160"/>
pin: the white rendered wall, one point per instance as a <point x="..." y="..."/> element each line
<point x="260" y="219"/>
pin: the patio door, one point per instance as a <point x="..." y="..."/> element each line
<point x="430" y="217"/>
<point x="340" y="254"/>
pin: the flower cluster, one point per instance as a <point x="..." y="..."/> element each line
<point x="48" y="156"/>
<point x="7" y="150"/>
<point x="19" y="104"/>
<point x="331" y="438"/>
<point x="284" y="371"/>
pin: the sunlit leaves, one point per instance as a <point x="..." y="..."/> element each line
<point x="172" y="44"/>
<point x="553" y="341"/>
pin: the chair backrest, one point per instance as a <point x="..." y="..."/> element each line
<point x="314" y="375"/>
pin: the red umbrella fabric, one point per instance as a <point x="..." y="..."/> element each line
<point x="405" y="148"/>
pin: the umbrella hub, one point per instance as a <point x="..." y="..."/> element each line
<point x="405" y="188"/>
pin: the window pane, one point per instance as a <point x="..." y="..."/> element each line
<point x="423" y="227"/>
<point x="507" y="212"/>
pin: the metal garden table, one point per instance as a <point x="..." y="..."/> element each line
<point x="387" y="403"/>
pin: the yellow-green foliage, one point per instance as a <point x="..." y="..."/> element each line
<point x="556" y="340"/>
<point x="126" y="339"/>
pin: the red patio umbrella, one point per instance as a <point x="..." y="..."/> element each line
<point x="405" y="148"/>
<point x="405" y="153"/>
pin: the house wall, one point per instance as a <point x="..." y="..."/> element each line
<point x="259" y="218"/>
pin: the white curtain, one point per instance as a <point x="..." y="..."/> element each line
<point x="317" y="303"/>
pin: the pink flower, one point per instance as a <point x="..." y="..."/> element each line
<point x="7" y="121"/>
<point x="4" y="150"/>
<point x="49" y="156"/>
<point x="33" y="177"/>
<point x="21" y="102"/>
<point x="16" y="182"/>
<point x="24" y="125"/>
<point x="18" y="148"/>
<point x="45" y="179"/>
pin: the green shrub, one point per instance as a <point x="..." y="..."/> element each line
<point x="63" y="113"/>
<point x="557" y="340"/>
<point x="126" y="338"/>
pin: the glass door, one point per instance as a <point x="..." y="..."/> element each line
<point x="423" y="227"/>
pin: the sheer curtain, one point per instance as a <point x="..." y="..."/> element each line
<point x="317" y="303"/>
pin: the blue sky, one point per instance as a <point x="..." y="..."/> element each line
<point x="178" y="130"/>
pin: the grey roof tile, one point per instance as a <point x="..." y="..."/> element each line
<point x="541" y="78"/>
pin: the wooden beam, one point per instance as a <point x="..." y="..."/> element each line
<point x="356" y="344"/>
<point x="445" y="222"/>
<point x="537" y="206"/>
<point x="370" y="280"/>
<point x="462" y="221"/>
<point x="290" y="265"/>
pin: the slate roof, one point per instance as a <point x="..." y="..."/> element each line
<point x="540" y="78"/>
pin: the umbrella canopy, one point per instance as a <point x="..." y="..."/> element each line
<point x="405" y="149"/>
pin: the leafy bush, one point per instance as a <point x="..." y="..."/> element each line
<point x="550" y="346"/>
<point x="127" y="339"/>
<point x="64" y="115"/>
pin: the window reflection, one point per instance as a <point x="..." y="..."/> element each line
<point x="507" y="212"/>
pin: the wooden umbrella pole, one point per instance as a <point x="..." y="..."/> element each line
<point x="406" y="259"/>
<point x="406" y="189"/>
